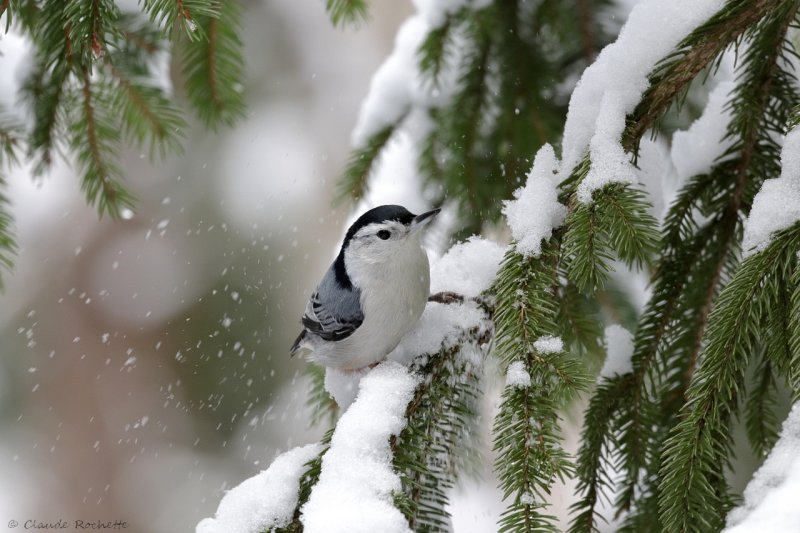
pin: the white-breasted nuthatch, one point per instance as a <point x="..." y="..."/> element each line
<point x="372" y="294"/>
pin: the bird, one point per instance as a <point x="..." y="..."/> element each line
<point x="373" y="293"/>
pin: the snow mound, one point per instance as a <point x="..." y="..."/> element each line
<point x="619" y="350"/>
<point x="264" y="501"/>
<point x="695" y="150"/>
<point x="468" y="268"/>
<point x="549" y="344"/>
<point x="536" y="211"/>
<point x="354" y="492"/>
<point x="517" y="375"/>
<point x="777" y="204"/>
<point x="770" y="499"/>
<point x="613" y="85"/>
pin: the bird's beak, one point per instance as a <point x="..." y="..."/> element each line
<point x="420" y="221"/>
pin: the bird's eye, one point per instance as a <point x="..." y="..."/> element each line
<point x="384" y="234"/>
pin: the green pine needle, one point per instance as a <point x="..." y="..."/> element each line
<point x="342" y="12"/>
<point x="214" y="67"/>
<point x="526" y="435"/>
<point x="354" y="180"/>
<point x="692" y="492"/>
<point x="322" y="406"/>
<point x="95" y="138"/>
<point x="184" y="14"/>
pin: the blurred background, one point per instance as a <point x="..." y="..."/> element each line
<point x="144" y="362"/>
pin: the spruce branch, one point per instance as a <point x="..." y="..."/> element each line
<point x="526" y="438"/>
<point x="577" y="318"/>
<point x="8" y="245"/>
<point x="322" y="405"/>
<point x="354" y="179"/>
<point x="214" y="67"/>
<point x="697" y="52"/>
<point x="437" y="445"/>
<point x="147" y="115"/>
<point x="434" y="50"/>
<point x="586" y="251"/>
<point x="599" y="451"/>
<point x="692" y="493"/>
<point x="169" y="14"/>
<point x="47" y="97"/>
<point x="89" y="23"/>
<point x="616" y="221"/>
<point x="459" y="122"/>
<point x="11" y="140"/>
<point x="23" y="12"/>
<point x="698" y="260"/>
<point x="342" y="12"/>
<point x="426" y="452"/>
<point x="794" y="333"/>
<point x="96" y="144"/>
<point x="761" y="423"/>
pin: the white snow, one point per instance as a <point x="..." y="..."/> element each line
<point x="395" y="85"/>
<point x="771" y="498"/>
<point x="517" y="375"/>
<point x="342" y="385"/>
<point x="398" y="86"/>
<point x="536" y="211"/>
<point x="16" y="62"/>
<point x="549" y="344"/>
<point x="441" y="326"/>
<point x="619" y="349"/>
<point x="264" y="501"/>
<point x="354" y="492"/>
<point x="657" y="175"/>
<point x="695" y="150"/>
<point x="611" y="87"/>
<point x="777" y="204"/>
<point x="468" y="268"/>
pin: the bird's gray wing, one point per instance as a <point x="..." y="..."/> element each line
<point x="334" y="312"/>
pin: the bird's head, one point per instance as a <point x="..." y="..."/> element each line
<point x="383" y="232"/>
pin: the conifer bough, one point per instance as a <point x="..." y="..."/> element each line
<point x="93" y="87"/>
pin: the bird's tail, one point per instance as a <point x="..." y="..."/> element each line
<point x="296" y="345"/>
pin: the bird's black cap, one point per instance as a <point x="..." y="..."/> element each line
<point x="382" y="213"/>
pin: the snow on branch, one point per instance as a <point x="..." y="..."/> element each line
<point x="697" y="149"/>
<point x="536" y="211"/>
<point x="613" y="85"/>
<point x="619" y="351"/>
<point x="777" y="204"/>
<point x="264" y="501"/>
<point x="770" y="499"/>
<point x="354" y="491"/>
<point x="398" y="85"/>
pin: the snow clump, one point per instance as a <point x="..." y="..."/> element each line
<point x="613" y="85"/>
<point x="517" y="375"/>
<point x="770" y="499"/>
<point x="264" y="501"/>
<point x="536" y="211"/>
<point x="548" y="344"/>
<point x="777" y="204"/>
<point x="354" y="492"/>
<point x="619" y="350"/>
